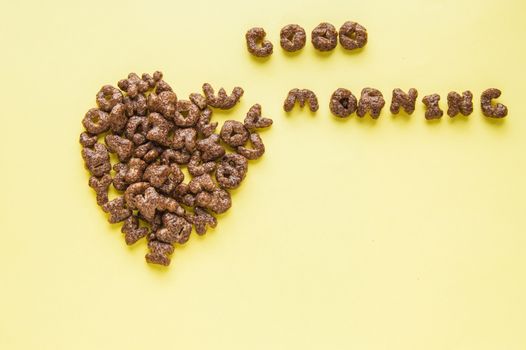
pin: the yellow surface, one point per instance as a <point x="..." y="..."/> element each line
<point x="354" y="234"/>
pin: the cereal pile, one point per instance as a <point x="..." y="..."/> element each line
<point x="154" y="135"/>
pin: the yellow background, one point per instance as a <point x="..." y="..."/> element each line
<point x="347" y="234"/>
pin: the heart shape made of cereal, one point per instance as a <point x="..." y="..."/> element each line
<point x="154" y="135"/>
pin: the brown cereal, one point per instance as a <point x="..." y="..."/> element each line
<point x="187" y="114"/>
<point x="160" y="128"/>
<point x="96" y="121"/>
<point x="372" y="101"/>
<point x="352" y="35"/>
<point x="183" y="195"/>
<point x="152" y="154"/>
<point x="87" y="140"/>
<point x="159" y="253"/>
<point x="234" y="133"/>
<point x="202" y="220"/>
<point x="119" y="145"/>
<point x="459" y="104"/>
<point x="117" y="210"/>
<point x="210" y="148"/>
<point x="254" y="120"/>
<point x="257" y="150"/>
<point x="202" y="183"/>
<point x="232" y="170"/>
<point x="155" y="224"/>
<point x="164" y="203"/>
<point x="185" y="138"/>
<point x="343" y="103"/>
<point x="175" y="156"/>
<point x="133" y="85"/>
<point x="164" y="103"/>
<point x="403" y="100"/>
<point x="155" y="82"/>
<point x="228" y="177"/>
<point x="119" y="181"/>
<point x="164" y="177"/>
<point x="488" y="108"/>
<point x="148" y="201"/>
<point x="256" y="43"/>
<point x="134" y="190"/>
<point x="292" y="37"/>
<point x="137" y="105"/>
<point x="218" y="201"/>
<point x="162" y="86"/>
<point x="204" y="126"/>
<point x="101" y="186"/>
<point x="148" y="152"/>
<point x="132" y="231"/>
<point x="222" y="100"/>
<point x="198" y="100"/>
<point x="324" y="37"/>
<point x="108" y="97"/>
<point x="175" y="177"/>
<point x="142" y="150"/>
<point x="237" y="161"/>
<point x="302" y="96"/>
<point x="197" y="167"/>
<point x="97" y="159"/>
<point x="312" y="99"/>
<point x="151" y="81"/>
<point x="186" y="193"/>
<point x="136" y="129"/>
<point x="136" y="167"/>
<point x="182" y="156"/>
<point x="157" y="174"/>
<point x="157" y="75"/>
<point x="117" y="118"/>
<point x="175" y="229"/>
<point x="168" y="156"/>
<point x="433" y="109"/>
